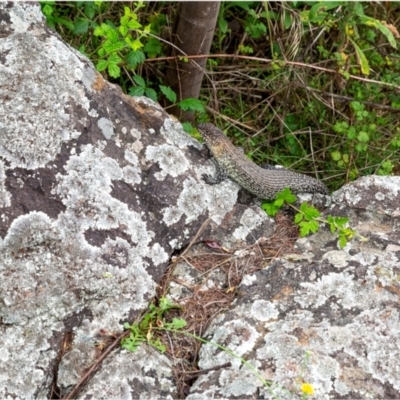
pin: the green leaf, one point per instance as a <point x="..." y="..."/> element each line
<point x="90" y="9"/>
<point x="384" y="29"/>
<point x="270" y="209"/>
<point x="320" y="8"/>
<point x="81" y="26"/>
<point x="153" y="47"/>
<point x="135" y="57"/>
<point x="287" y="195"/>
<point x="112" y="47"/>
<point x="47" y="10"/>
<point x="139" y="80"/>
<point x="314" y="226"/>
<point x="336" y="156"/>
<point x="101" y="65"/>
<point x="361" y="59"/>
<point x="113" y="70"/>
<point x="178" y="323"/>
<point x="134" y="25"/>
<point x="223" y="25"/>
<point x="191" y="105"/>
<point x="99" y="31"/>
<point x="351" y="133"/>
<point x="151" y="93"/>
<point x="363" y="137"/>
<point x="304" y="228"/>
<point x="64" y="22"/>
<point x="168" y="93"/>
<point x="114" y="59"/>
<point x="136" y="45"/>
<point x="298" y="218"/>
<point x="158" y="345"/>
<point x="123" y="30"/>
<point x="188" y="128"/>
<point x="310" y="212"/>
<point x="342" y="241"/>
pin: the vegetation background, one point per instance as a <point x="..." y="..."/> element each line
<point x="312" y="86"/>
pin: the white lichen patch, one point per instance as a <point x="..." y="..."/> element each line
<point x="249" y="220"/>
<point x="5" y="196"/>
<point x="263" y="310"/>
<point x="85" y="191"/>
<point x="150" y="369"/>
<point x="339" y="259"/>
<point x="106" y="127"/>
<point x="191" y="203"/>
<point x="176" y="136"/>
<point x="131" y="175"/>
<point x="29" y="138"/>
<point x="171" y="160"/>
<point x="239" y="335"/>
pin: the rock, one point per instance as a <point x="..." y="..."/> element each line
<point x="97" y="190"/>
<point x="328" y="317"/>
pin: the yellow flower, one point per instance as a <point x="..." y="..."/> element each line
<point x="307" y="388"/>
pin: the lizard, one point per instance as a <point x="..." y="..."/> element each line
<point x="264" y="182"/>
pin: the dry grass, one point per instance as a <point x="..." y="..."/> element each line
<point x="205" y="303"/>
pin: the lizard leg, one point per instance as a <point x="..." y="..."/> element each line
<point x="220" y="175"/>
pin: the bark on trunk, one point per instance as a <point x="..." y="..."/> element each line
<point x="193" y="35"/>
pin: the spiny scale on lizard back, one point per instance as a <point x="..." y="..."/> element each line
<point x="264" y="183"/>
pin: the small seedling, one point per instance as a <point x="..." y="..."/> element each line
<point x="308" y="218"/>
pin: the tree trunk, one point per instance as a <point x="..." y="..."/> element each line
<point x="193" y="35"/>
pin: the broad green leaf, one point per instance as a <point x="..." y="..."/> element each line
<point x="151" y="94"/>
<point x="99" y="31"/>
<point x="114" y="70"/>
<point x="123" y="30"/>
<point x="112" y="47"/>
<point x="168" y="93"/>
<point x="81" y="26"/>
<point x="134" y="25"/>
<point x="101" y="65"/>
<point x="362" y="60"/>
<point x="136" y="91"/>
<point x="310" y="212"/>
<point x="90" y="9"/>
<point x="64" y="22"/>
<point x="114" y="59"/>
<point x="136" y="45"/>
<point x="379" y="25"/>
<point x="139" y="80"/>
<point x="153" y="47"/>
<point x="270" y="209"/>
<point x="298" y="218"/>
<point x="191" y="105"/>
<point x="287" y="195"/>
<point x="223" y="25"/>
<point x="342" y="241"/>
<point x="363" y="137"/>
<point x="135" y="57"/>
<point x="314" y="226"/>
<point x="288" y="21"/>
<point x="112" y="35"/>
<point x="336" y="156"/>
<point x="47" y="10"/>
<point x="321" y="7"/>
<point x="304" y="228"/>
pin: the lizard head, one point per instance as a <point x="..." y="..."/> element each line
<point x="210" y="133"/>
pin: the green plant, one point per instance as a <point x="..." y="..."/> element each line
<point x="308" y="218"/>
<point x="154" y="320"/>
